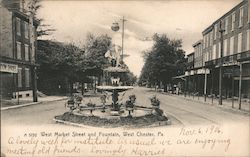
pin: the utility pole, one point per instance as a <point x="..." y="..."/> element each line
<point x="221" y="62"/>
<point x="240" y="83"/>
<point x="32" y="49"/>
<point x="123" y="21"/>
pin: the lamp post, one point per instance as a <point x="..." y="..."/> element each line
<point x="115" y="27"/>
<point x="221" y="62"/>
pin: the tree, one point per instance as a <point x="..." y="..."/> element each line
<point x="163" y="61"/>
<point x="94" y="60"/>
<point x="60" y="65"/>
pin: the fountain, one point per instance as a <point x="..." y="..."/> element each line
<point x="114" y="73"/>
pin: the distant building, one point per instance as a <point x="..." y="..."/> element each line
<point x="198" y="55"/>
<point x="17" y="50"/>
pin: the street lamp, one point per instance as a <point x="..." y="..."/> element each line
<point x="115" y="27"/>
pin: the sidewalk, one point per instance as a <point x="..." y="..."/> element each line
<point x="226" y="103"/>
<point x="13" y="103"/>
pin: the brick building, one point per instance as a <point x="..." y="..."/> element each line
<point x="234" y="26"/>
<point x="233" y="55"/>
<point x="17" y="50"/>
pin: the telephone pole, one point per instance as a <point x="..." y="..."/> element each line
<point x="123" y="21"/>
<point x="32" y="49"/>
<point x="221" y="62"/>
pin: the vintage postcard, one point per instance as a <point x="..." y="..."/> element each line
<point x="124" y="78"/>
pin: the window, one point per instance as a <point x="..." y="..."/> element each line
<point x="241" y="17"/>
<point x="225" y="47"/>
<point x="215" y="31"/>
<point x="208" y="39"/>
<point x="18" y="50"/>
<point x="26" y="52"/>
<point x="231" y="45"/>
<point x="204" y="42"/>
<point x="248" y="42"/>
<point x="211" y="38"/>
<point x="214" y="52"/>
<point x="219" y="51"/>
<point x="226" y="25"/>
<point x="19" y="77"/>
<point x="26" y="30"/>
<point x="18" y="26"/>
<point x="248" y="12"/>
<point x="27" y="77"/>
<point x="239" y="42"/>
<point x="233" y="21"/>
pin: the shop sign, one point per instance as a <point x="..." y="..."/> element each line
<point x="10" y="68"/>
<point x="192" y="72"/>
<point x="203" y="71"/>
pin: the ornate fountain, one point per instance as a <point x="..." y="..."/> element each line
<point x="113" y="74"/>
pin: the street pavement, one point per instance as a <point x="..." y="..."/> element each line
<point x="182" y="112"/>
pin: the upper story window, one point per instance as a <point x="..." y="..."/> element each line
<point x="204" y="41"/>
<point x="26" y="30"/>
<point x="226" y="25"/>
<point x="248" y="12"/>
<point x="18" y="26"/>
<point x="219" y="51"/>
<point x="26" y="52"/>
<point x="18" y="50"/>
<point x="211" y="38"/>
<point x="241" y="17"/>
<point x="214" y="52"/>
<point x="207" y="39"/>
<point x="215" y="31"/>
<point x="231" y="45"/>
<point x="233" y="21"/>
<point x="225" y="47"/>
<point x="248" y="41"/>
<point x="239" y="42"/>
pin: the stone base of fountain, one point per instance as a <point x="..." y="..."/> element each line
<point x="143" y="119"/>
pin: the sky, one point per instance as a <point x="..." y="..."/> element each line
<point x="182" y="19"/>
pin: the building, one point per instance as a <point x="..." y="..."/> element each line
<point x="231" y="52"/>
<point x="226" y="45"/>
<point x="17" y="50"/>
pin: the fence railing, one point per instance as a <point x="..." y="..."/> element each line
<point x="229" y="59"/>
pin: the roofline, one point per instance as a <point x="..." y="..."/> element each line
<point x="190" y="54"/>
<point x="205" y="31"/>
<point x="197" y="43"/>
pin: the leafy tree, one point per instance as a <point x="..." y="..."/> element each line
<point x="94" y="60"/>
<point x="59" y="65"/>
<point x="163" y="61"/>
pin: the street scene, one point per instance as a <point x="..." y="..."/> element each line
<point x="175" y="73"/>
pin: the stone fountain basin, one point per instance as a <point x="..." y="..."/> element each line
<point x="117" y="88"/>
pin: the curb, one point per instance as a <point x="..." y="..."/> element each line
<point x="224" y="107"/>
<point x="72" y="124"/>
<point x="29" y="104"/>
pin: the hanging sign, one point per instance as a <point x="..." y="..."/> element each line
<point x="10" y="68"/>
